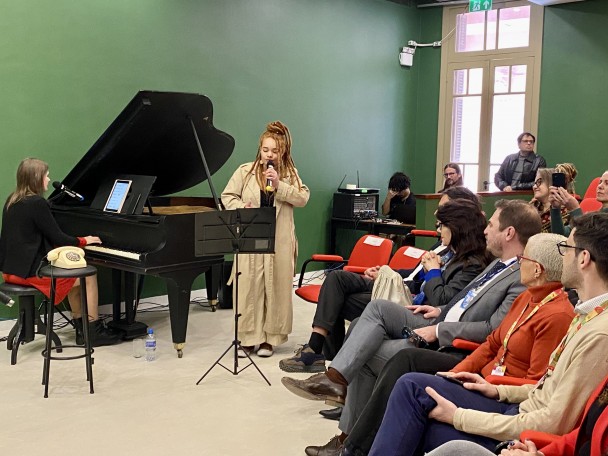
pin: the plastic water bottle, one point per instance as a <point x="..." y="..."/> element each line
<point x="150" y="345"/>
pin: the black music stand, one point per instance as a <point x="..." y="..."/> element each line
<point x="235" y="231"/>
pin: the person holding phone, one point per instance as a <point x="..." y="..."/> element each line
<point x="541" y="186"/>
<point x="561" y="200"/>
<point x="265" y="285"/>
<point x="29" y="232"/>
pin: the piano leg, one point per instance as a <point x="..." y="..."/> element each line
<point x="213" y="276"/>
<point x="179" y="286"/>
<point x="129" y="328"/>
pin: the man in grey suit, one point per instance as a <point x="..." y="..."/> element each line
<point x="471" y="315"/>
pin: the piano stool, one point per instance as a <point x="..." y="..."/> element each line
<point x="28" y="322"/>
<point x="58" y="273"/>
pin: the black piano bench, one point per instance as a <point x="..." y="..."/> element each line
<point x="28" y="322"/>
<point x="55" y="273"/>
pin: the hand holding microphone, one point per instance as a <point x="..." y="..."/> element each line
<point x="271" y="176"/>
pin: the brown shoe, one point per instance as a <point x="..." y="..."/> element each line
<point x="317" y="388"/>
<point x="331" y="448"/>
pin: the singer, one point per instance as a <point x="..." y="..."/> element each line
<point x="265" y="286"/>
<point x="29" y="231"/>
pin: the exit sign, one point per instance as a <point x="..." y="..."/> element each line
<point x="480" y="5"/>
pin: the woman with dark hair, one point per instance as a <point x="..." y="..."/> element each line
<point x="452" y="176"/>
<point x="399" y="194"/>
<point x="29" y="231"/>
<point x="456" y="193"/>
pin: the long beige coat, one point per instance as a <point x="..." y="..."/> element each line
<point x="266" y="280"/>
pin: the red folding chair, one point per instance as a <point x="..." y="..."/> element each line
<point x="369" y="251"/>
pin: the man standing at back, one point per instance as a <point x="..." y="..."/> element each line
<point x="518" y="170"/>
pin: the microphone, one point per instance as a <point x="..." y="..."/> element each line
<point x="59" y="186"/>
<point x="269" y="165"/>
<point x="6" y="299"/>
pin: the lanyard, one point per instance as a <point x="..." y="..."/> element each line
<point x="577" y="323"/>
<point x="515" y="326"/>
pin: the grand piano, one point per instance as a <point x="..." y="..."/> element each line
<point x="164" y="143"/>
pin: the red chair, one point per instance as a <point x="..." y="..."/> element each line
<point x="369" y="251"/>
<point x="590" y="205"/>
<point x="591" y="191"/>
<point x="406" y="257"/>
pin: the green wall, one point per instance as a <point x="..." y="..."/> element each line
<point x="327" y="68"/>
<point x="574" y="88"/>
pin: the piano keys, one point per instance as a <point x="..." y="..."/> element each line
<point x="169" y="136"/>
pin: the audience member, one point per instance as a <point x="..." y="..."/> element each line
<point x="426" y="411"/>
<point x="541" y="199"/>
<point x="560" y="199"/>
<point x="343" y="296"/>
<point x="518" y="170"/>
<point x="399" y="194"/>
<point x="452" y="177"/>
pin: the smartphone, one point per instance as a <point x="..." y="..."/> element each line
<point x="558" y="180"/>
<point x="449" y="378"/>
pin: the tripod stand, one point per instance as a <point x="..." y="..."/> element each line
<point x="261" y="226"/>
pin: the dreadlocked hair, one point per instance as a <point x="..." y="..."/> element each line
<point x="284" y="165"/>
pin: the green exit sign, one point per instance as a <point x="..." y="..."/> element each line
<point x="480" y="5"/>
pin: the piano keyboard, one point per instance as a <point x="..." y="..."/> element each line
<point x="113" y="252"/>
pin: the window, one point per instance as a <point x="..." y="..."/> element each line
<point x="489" y="95"/>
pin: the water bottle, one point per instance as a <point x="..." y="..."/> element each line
<point x="150" y="345"/>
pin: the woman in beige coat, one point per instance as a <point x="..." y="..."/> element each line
<point x="266" y="280"/>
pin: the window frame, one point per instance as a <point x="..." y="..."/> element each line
<point x="450" y="59"/>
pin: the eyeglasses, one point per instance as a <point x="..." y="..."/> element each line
<point x="521" y="257"/>
<point x="527" y="141"/>
<point x="449" y="174"/>
<point x="538" y="182"/>
<point x="562" y="246"/>
<point x="438" y="225"/>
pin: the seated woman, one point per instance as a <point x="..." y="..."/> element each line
<point x="541" y="198"/>
<point x="399" y="194"/>
<point x="519" y="347"/>
<point x="590" y="438"/>
<point x="561" y="200"/>
<point x="452" y="176"/>
<point x="29" y="231"/>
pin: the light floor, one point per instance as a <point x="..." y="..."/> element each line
<point x="143" y="408"/>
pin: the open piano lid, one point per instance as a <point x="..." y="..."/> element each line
<point x="153" y="136"/>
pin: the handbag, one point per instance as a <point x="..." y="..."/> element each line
<point x="389" y="285"/>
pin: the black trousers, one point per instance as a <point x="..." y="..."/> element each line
<point x="361" y="437"/>
<point x="343" y="296"/>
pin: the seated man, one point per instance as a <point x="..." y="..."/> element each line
<point x="343" y="296"/>
<point x="426" y="411"/>
<point x="518" y="170"/>
<point x="452" y="177"/>
<point x="377" y="335"/>
<point x="399" y="194"/>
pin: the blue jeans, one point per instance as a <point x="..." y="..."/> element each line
<point x="406" y="428"/>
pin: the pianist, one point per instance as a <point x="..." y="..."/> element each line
<point x="265" y="284"/>
<point x="29" y="231"/>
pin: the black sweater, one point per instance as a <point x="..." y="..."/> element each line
<point x="29" y="231"/>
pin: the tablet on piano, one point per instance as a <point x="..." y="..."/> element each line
<point x="118" y="195"/>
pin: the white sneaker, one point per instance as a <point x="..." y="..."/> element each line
<point x="265" y="350"/>
<point x="242" y="350"/>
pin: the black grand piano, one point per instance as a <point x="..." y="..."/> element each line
<point x="162" y="143"/>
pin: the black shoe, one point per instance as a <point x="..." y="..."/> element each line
<point x="98" y="334"/>
<point x="332" y="414"/>
<point x="331" y="448"/>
